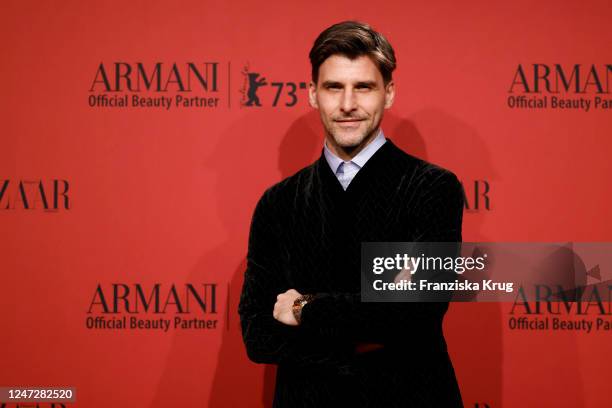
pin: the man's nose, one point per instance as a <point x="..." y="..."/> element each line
<point x="348" y="102"/>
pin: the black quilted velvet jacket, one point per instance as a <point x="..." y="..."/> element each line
<point x="306" y="234"/>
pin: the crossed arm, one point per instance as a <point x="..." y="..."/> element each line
<point x="333" y="322"/>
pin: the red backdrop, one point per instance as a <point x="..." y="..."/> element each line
<point x="165" y="196"/>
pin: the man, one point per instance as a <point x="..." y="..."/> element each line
<point x="300" y="306"/>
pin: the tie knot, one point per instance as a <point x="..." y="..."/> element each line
<point x="345" y="173"/>
<point x="344" y="167"/>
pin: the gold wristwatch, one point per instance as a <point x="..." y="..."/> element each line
<point x="298" y="304"/>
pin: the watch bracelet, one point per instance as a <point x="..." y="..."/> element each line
<point x="298" y="304"/>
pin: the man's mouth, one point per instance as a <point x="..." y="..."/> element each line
<point x="349" y="124"/>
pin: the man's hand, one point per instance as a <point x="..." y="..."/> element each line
<point x="283" y="308"/>
<point x="404" y="274"/>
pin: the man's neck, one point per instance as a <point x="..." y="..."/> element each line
<point x="348" y="153"/>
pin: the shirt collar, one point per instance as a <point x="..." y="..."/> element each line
<point x="362" y="157"/>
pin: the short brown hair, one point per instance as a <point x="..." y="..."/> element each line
<point x="353" y="39"/>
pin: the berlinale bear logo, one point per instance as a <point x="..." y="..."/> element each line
<point x="252" y="83"/>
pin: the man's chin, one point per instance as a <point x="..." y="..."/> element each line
<point x="349" y="142"/>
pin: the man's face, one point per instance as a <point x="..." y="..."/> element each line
<point x="351" y="98"/>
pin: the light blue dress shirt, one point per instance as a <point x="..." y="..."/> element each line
<point x="345" y="171"/>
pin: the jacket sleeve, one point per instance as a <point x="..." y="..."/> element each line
<point x="266" y="339"/>
<point x="438" y="219"/>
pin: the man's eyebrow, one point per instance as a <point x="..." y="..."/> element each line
<point x="331" y="83"/>
<point x="359" y="83"/>
<point x="366" y="83"/>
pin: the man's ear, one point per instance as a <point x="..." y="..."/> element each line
<point x="312" y="95"/>
<point x="389" y="94"/>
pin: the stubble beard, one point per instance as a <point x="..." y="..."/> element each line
<point x="350" y="144"/>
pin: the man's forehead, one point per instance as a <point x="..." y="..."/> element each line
<point x="339" y="68"/>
